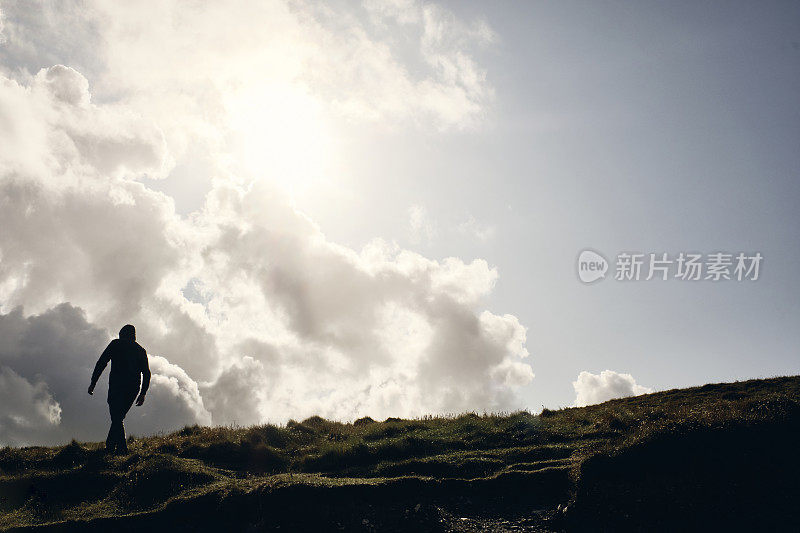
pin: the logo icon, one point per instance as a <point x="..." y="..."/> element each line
<point x="591" y="266"/>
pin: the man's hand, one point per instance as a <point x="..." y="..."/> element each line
<point x="91" y="389"/>
<point x="140" y="399"/>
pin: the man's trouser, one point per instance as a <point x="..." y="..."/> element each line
<point x="118" y="407"/>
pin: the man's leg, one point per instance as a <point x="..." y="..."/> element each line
<point x="110" y="437"/>
<point x="112" y="440"/>
<point x="118" y="411"/>
<point x="122" y="445"/>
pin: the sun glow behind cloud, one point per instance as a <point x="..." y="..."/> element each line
<point x="280" y="134"/>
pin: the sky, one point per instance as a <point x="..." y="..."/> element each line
<point x="376" y="208"/>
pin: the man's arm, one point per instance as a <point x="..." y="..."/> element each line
<point x="105" y="357"/>
<point x="145" y="380"/>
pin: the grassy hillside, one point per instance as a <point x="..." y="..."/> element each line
<point x="716" y="456"/>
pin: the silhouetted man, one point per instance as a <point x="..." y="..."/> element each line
<point x="128" y="366"/>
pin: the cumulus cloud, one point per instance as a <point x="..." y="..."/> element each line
<point x="28" y="409"/>
<point x="409" y="61"/>
<point x="173" y="399"/>
<point x="326" y="318"/>
<point x="597" y="388"/>
<point x="250" y="313"/>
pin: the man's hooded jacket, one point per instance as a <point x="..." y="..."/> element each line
<point x="128" y="366"/>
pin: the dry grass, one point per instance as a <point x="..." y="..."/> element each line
<point x="78" y="481"/>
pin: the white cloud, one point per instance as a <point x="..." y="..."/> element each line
<point x="422" y="228"/>
<point x="28" y="409"/>
<point x="598" y="388"/>
<point x="363" y="67"/>
<point x="280" y="321"/>
<point x="175" y="396"/>
<point x="476" y="230"/>
<point x="319" y="313"/>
